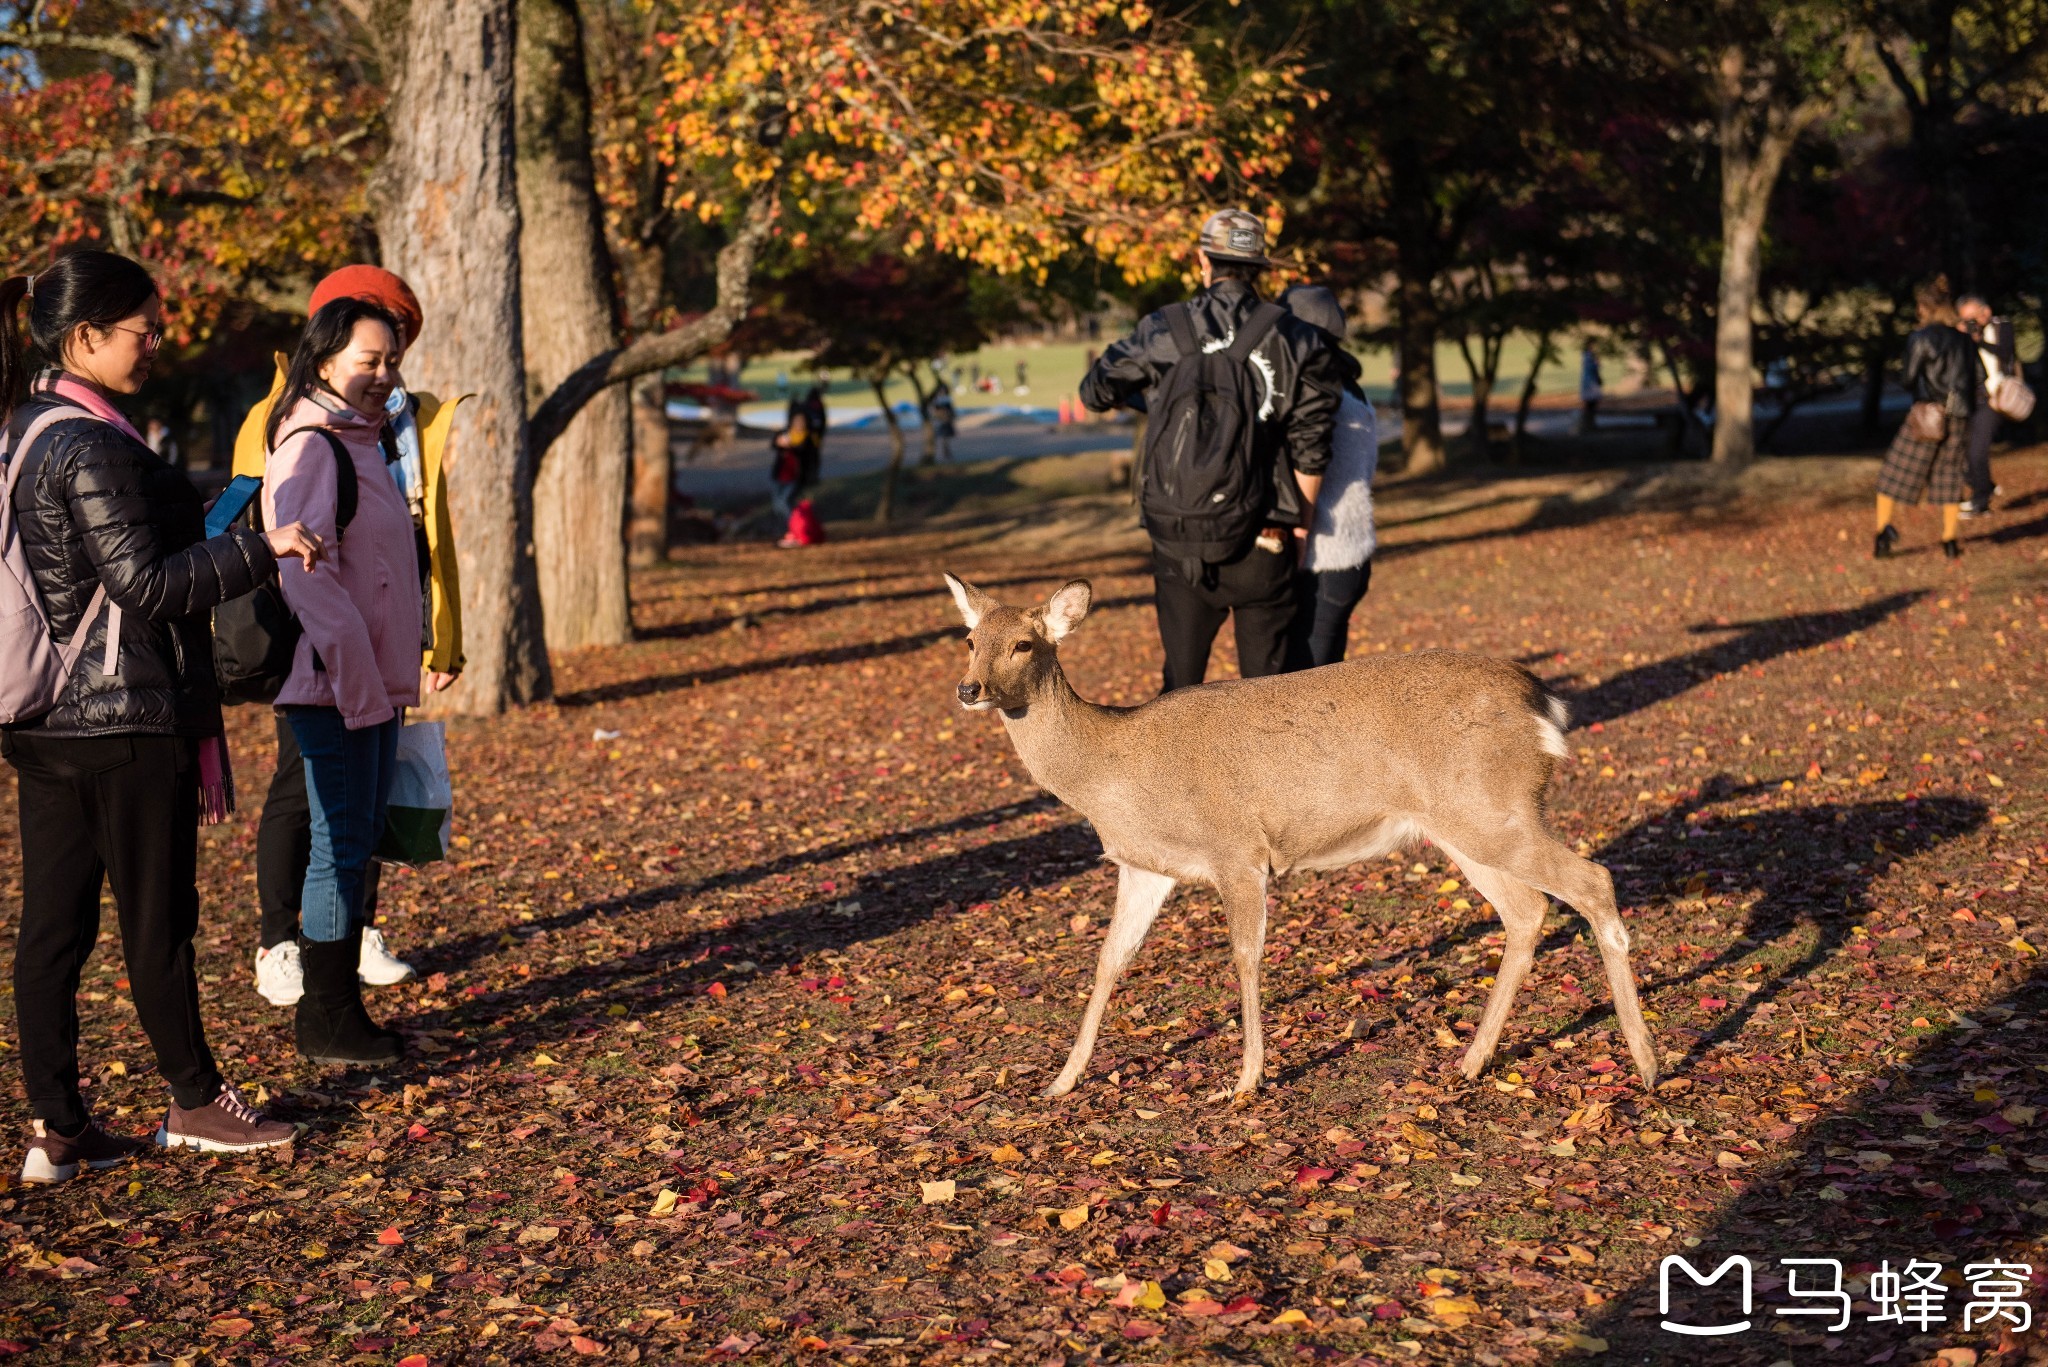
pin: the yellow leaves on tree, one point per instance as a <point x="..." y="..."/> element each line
<point x="1005" y="133"/>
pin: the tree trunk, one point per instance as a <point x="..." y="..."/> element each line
<point x="885" y="507"/>
<point x="1483" y="369"/>
<point x="447" y="211"/>
<point x="1519" y="448"/>
<point x="653" y="469"/>
<point x="930" y="455"/>
<point x="1422" y="436"/>
<point x="1873" y="391"/>
<point x="579" y="495"/>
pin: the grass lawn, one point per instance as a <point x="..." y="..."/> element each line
<point x="736" y="999"/>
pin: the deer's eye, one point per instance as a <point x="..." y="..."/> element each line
<point x="1021" y="648"/>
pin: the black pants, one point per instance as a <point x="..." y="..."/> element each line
<point x="123" y="810"/>
<point x="1983" y="427"/>
<point x="1322" y="619"/>
<point x="284" y="846"/>
<point x="1256" y="591"/>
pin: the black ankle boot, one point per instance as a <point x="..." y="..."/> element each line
<point x="332" y="1026"/>
<point x="1886" y="539"/>
<point x="1952" y="549"/>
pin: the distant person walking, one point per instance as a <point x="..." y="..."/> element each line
<point x="793" y="462"/>
<point x="1241" y="398"/>
<point x="1336" y="561"/>
<point x="1589" y="388"/>
<point x="811" y="404"/>
<point x="942" y="419"/>
<point x="1929" y="458"/>
<point x="115" y="777"/>
<point x="1998" y="353"/>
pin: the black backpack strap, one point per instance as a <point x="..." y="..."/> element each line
<point x="346" y="494"/>
<point x="1180" y="321"/>
<point x="1256" y="326"/>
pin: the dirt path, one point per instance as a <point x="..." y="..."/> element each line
<point x="734" y="1008"/>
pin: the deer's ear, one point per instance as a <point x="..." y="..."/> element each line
<point x="1066" y="609"/>
<point x="972" y="602"/>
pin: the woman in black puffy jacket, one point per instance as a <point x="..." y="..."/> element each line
<point x="110" y="778"/>
<point x="1944" y="376"/>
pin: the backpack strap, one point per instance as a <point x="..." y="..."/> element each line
<point x="346" y="492"/>
<point x="1254" y="331"/>
<point x="1180" y="321"/>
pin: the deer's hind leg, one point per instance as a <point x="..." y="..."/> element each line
<point x="1139" y="895"/>
<point x="1244" y="903"/>
<point x="1521" y="909"/>
<point x="1589" y="889"/>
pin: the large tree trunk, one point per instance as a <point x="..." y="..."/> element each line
<point x="1519" y="448"/>
<point x="1754" y="143"/>
<point x="447" y="214"/>
<point x="653" y="469"/>
<point x="579" y="496"/>
<point x="1422" y="435"/>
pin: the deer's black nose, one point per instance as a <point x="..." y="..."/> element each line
<point x="970" y="692"/>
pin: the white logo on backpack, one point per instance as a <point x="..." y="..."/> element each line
<point x="34" y="669"/>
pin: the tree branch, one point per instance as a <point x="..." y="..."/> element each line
<point x="735" y="279"/>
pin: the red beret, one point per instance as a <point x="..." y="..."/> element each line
<point x="377" y="285"/>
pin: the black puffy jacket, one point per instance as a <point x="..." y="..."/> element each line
<point x="1301" y="373"/>
<point x="1942" y="367"/>
<point x="96" y="506"/>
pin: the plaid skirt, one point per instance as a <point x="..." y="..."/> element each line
<point x="1919" y="471"/>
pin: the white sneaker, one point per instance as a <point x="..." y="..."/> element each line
<point x="376" y="965"/>
<point x="279" y="979"/>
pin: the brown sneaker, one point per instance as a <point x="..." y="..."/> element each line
<point x="228" y="1125"/>
<point x="53" y="1158"/>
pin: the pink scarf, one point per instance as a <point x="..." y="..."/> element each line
<point x="216" y="773"/>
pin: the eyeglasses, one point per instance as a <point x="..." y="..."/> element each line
<point x="151" y="339"/>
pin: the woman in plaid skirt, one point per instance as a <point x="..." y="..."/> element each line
<point x="1943" y="375"/>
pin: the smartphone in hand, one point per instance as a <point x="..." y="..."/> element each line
<point x="232" y="503"/>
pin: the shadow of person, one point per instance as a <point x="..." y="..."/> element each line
<point x="1645" y="685"/>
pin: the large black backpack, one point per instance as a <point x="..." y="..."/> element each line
<point x="256" y="635"/>
<point x="1203" y="494"/>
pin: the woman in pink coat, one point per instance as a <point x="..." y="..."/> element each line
<point x="357" y="664"/>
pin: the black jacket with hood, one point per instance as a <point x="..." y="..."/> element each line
<point x="1301" y="376"/>
<point x="1942" y="367"/>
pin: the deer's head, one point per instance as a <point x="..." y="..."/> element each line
<point x="1010" y="650"/>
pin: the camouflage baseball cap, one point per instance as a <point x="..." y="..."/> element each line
<point x="1234" y="235"/>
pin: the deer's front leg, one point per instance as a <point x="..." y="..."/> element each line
<point x="1139" y="895"/>
<point x="1244" y="903"/>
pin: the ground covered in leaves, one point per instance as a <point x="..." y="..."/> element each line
<point x="734" y="1008"/>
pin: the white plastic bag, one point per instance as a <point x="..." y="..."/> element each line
<point x="419" y="819"/>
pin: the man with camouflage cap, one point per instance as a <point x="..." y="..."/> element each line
<point x="1241" y="398"/>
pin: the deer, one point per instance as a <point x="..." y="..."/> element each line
<point x="1236" y="782"/>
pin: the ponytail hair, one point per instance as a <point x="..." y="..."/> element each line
<point x="326" y="336"/>
<point x="85" y="287"/>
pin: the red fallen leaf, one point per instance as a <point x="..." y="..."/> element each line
<point x="121" y="983"/>
<point x="1307" y="1176"/>
<point x="437" y="982"/>
<point x="1597" y="727"/>
<point x="1712" y="1003"/>
<point x="390" y="1236"/>
<point x="369" y="1344"/>
<point x="1163" y="1214"/>
<point x="1201" y="1309"/>
<point x="1997" y="1124"/>
<point x="1601" y="1065"/>
<point x="1071" y="1275"/>
<point x="715" y="990"/>
<point x="9" y="1347"/>
<point x="230" y="1327"/>
<point x="588" y="1347"/>
<point x="413" y="1360"/>
<point x="1388" y="1310"/>
<point x="547" y="1340"/>
<point x="417" y="1131"/>
<point x="1142" y="1329"/>
<point x="1240" y="1305"/>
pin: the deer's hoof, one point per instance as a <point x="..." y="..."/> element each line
<point x="1060" y="1087"/>
<point x="1472" y="1067"/>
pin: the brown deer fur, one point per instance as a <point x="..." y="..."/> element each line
<point x="1234" y="782"/>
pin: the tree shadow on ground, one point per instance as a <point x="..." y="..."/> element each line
<point x="1646" y="685"/>
<point x="1873" y="1183"/>
<point x="654" y="684"/>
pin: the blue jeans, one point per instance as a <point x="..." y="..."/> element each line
<point x="348" y="781"/>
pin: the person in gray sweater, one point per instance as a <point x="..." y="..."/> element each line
<point x="1336" y="552"/>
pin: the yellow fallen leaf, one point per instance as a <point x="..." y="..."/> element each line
<point x="934" y="1193"/>
<point x="1586" y="1343"/>
<point x="1008" y="1153"/>
<point x="664" y="1203"/>
<point x="1448" y="885"/>
<point x="1153" y="1297"/>
<point x="1215" y="1269"/>
<point x="1459" y="1179"/>
<point x="1445" y="1307"/>
<point x="543" y="1060"/>
<point x="314" y="1251"/>
<point x="1726" y="1159"/>
<point x="1075" y="1218"/>
<point x="1103" y="1159"/>
<point x="118" y="1068"/>
<point x="1290" y="1317"/>
<point x="1445" y="1039"/>
<point x="1461" y="904"/>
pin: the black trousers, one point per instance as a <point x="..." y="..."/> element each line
<point x="284" y="846"/>
<point x="1322" y="619"/>
<point x="123" y="810"/>
<point x="1983" y="427"/>
<point x="1255" y="591"/>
